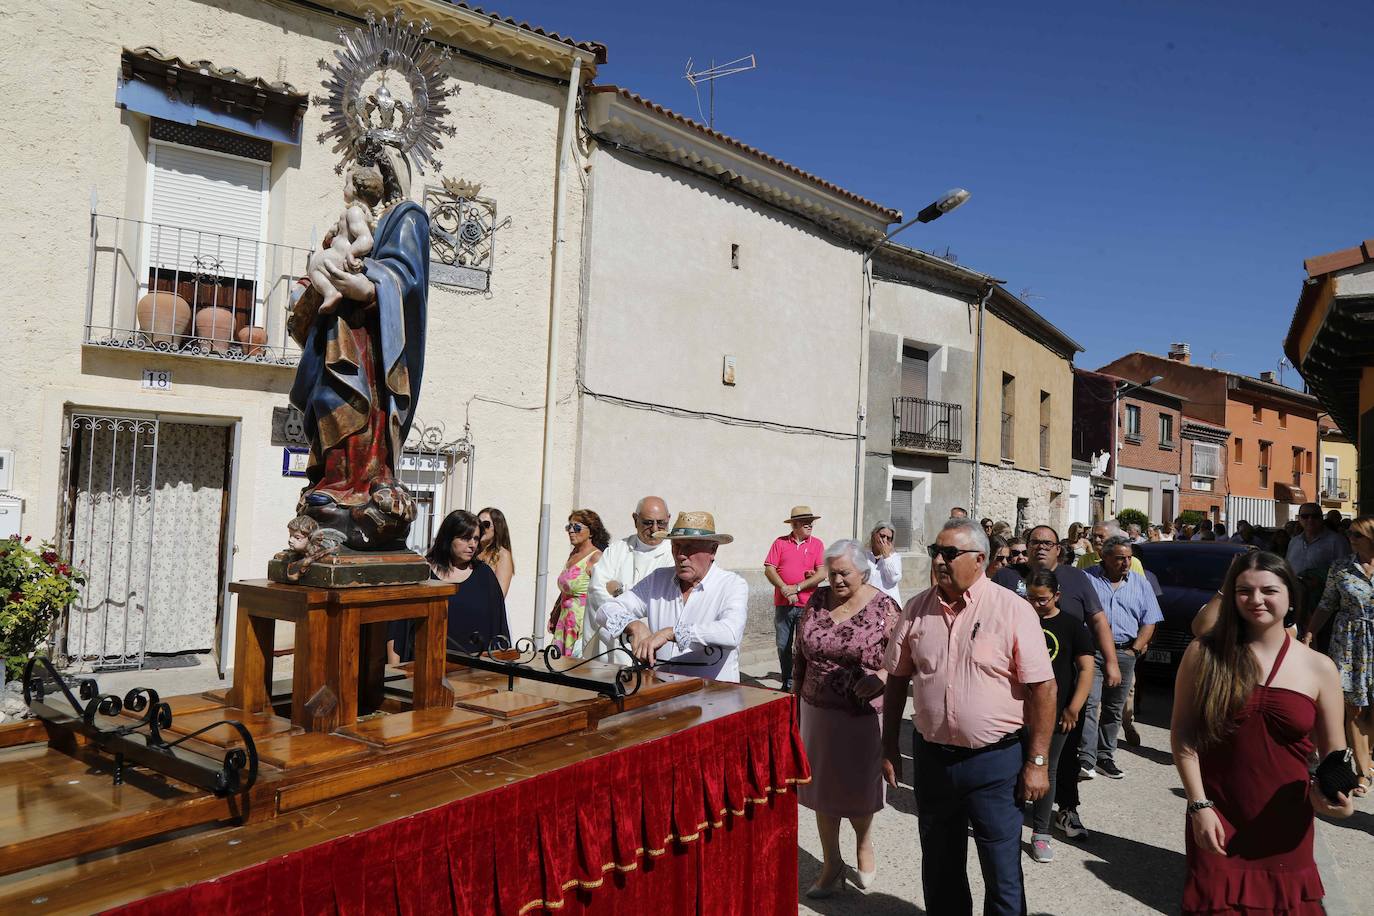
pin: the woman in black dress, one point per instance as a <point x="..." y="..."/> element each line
<point x="477" y="614"/>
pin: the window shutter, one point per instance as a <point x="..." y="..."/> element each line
<point x="902" y="520"/>
<point x="915" y="372"/>
<point x="1206" y="460"/>
<point x="208" y="207"/>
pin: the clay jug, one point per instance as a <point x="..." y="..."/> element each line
<point x="165" y="317"/>
<point x="252" y="339"/>
<point x="215" y="328"/>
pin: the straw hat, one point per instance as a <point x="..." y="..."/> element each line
<point x="801" y="514"/>
<point x="696" y="526"/>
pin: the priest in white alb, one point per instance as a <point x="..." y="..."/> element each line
<point x="692" y="613"/>
<point x="625" y="562"/>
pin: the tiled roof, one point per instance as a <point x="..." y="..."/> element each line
<point x="595" y="47"/>
<point x="210" y="69"/>
<point x="891" y="214"/>
<point x="1340" y="260"/>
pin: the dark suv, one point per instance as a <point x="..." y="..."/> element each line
<point x="1190" y="573"/>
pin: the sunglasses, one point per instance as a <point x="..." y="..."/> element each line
<point x="950" y="554"/>
<point x="1018" y="553"/>
<point x="485" y="525"/>
<point x="659" y="523"/>
<point x="1043" y="543"/>
<point x="574" y="528"/>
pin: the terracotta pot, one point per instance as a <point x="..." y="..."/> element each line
<point x="252" y="339"/>
<point x="215" y="328"/>
<point x="165" y="316"/>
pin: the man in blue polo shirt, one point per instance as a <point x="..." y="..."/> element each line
<point x="1132" y="610"/>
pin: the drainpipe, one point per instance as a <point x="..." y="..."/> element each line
<point x="861" y="421"/>
<point x="978" y="402"/>
<point x="541" y="582"/>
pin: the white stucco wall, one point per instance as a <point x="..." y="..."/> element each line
<point x="663" y="307"/>
<point x="71" y="139"/>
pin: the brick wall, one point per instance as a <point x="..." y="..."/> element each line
<point x="1148" y="453"/>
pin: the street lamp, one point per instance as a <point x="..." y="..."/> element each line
<point x="946" y="202"/>
<point x="1122" y="389"/>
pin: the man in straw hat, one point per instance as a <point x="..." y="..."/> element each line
<point x="681" y="611"/>
<point x="795" y="565"/>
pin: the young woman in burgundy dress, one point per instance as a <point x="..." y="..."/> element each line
<point x="1247" y="698"/>
<point x="837" y="668"/>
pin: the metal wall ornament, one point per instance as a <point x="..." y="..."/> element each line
<point x="360" y="123"/>
<point x="462" y="235"/>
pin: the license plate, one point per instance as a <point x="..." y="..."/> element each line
<point x="1158" y="655"/>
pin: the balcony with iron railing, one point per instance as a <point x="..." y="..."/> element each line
<point x="1335" y="489"/>
<point x="928" y="426"/>
<point x="188" y="292"/>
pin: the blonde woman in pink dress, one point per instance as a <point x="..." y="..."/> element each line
<point x="587" y="537"/>
<point x="837" y="669"/>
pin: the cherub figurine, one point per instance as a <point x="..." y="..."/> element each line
<point x="307" y="542"/>
<point x="351" y="238"/>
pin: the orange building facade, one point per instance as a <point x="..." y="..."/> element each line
<point x="1252" y="448"/>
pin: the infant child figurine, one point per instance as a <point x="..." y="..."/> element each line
<point x="351" y="238"/>
<point x="307" y="542"/>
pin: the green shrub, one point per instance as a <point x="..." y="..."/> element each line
<point x="35" y="587"/>
<point x="1128" y="517"/>
<point x="1191" y="517"/>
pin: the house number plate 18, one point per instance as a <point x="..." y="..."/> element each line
<point x="157" y="379"/>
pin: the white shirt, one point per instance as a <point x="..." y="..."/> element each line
<point x="627" y="561"/>
<point x="714" y="614"/>
<point x="886" y="574"/>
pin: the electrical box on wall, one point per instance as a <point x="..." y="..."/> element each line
<point x="6" y="469"/>
<point x="11" y="513"/>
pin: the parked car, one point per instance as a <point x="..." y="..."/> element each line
<point x="1190" y="573"/>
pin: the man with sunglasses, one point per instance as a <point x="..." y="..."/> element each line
<point x="1077" y="598"/>
<point x="628" y="560"/>
<point x="984" y="696"/>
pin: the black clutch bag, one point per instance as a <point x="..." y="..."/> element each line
<point x="1336" y="774"/>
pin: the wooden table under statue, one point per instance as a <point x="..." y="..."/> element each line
<point x="519" y="796"/>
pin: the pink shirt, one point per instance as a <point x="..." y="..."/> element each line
<point x="969" y="662"/>
<point x="794" y="562"/>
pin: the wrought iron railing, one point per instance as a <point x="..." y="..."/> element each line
<point x="190" y="292"/>
<point x="1336" y="488"/>
<point x="929" y="425"/>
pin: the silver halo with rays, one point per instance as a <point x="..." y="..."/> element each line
<point x="361" y="124"/>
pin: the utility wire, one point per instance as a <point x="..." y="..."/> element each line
<point x="726" y="419"/>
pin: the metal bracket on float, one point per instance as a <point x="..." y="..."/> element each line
<point x="140" y="742"/>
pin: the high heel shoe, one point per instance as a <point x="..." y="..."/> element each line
<point x="820" y="891"/>
<point x="865" y="879"/>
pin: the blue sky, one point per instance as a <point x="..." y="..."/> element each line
<point x="1146" y="171"/>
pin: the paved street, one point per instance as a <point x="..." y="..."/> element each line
<point x="1132" y="864"/>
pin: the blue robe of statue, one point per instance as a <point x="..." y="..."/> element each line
<point x="359" y="375"/>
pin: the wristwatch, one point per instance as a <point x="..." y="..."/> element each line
<point x="1038" y="760"/>
<point x="1196" y="806"/>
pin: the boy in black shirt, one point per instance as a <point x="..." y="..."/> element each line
<point x="1071" y="656"/>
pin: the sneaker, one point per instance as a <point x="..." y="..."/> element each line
<point x="1041" y="850"/>
<point x="1109" y="769"/>
<point x="1086" y="773"/>
<point x="1070" y="824"/>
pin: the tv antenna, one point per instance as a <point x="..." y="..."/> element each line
<point x="1217" y="355"/>
<point x="710" y="75"/>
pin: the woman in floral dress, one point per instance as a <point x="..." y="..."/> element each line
<point x="837" y="668"/>
<point x="587" y="537"/>
<point x="1350" y="596"/>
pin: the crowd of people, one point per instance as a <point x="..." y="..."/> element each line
<point x="1019" y="660"/>
<point x="1020" y="663"/>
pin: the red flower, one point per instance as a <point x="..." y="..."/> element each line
<point x="16" y="597"/>
<point x="27" y="538"/>
<point x="49" y="556"/>
<point x="63" y="568"/>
